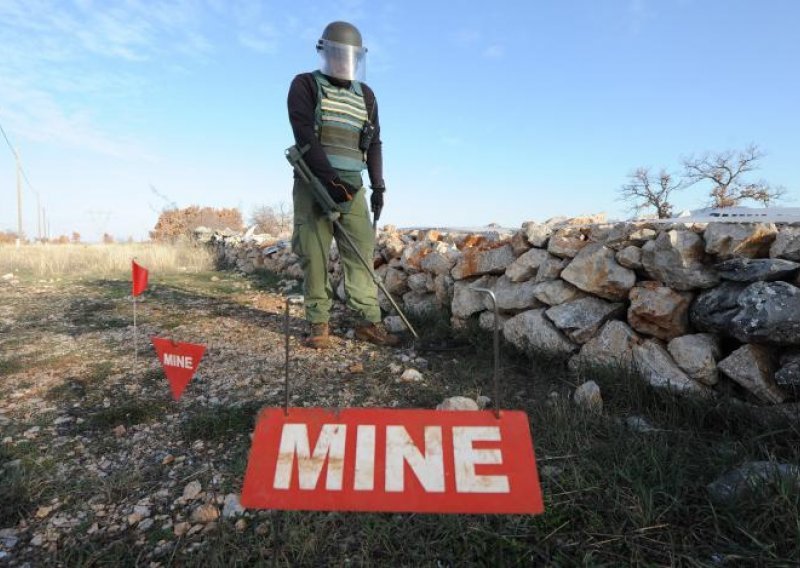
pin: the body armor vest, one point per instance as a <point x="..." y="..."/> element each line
<point x="339" y="118"/>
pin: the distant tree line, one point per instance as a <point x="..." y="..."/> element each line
<point x="726" y="177"/>
<point x="175" y="224"/>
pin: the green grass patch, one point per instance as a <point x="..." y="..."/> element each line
<point x="220" y="422"/>
<point x="127" y="413"/>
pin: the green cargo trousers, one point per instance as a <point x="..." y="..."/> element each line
<point x="311" y="242"/>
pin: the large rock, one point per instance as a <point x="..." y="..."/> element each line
<point x="551" y="269"/>
<point x="475" y="261"/>
<point x="466" y="301"/>
<point x="786" y="244"/>
<point x="659" y="311"/>
<point x="714" y="309"/>
<point x="443" y="287"/>
<point x="441" y="259"/>
<point x="751" y="240"/>
<point x="526" y="266"/>
<point x="486" y="320"/>
<point x="420" y="303"/>
<point x="677" y="258"/>
<point x="533" y="333"/>
<point x="658" y="369"/>
<point x="537" y="233"/>
<point x="769" y="313"/>
<point x="567" y="242"/>
<point x="611" y="347"/>
<point x="420" y="282"/>
<point x="396" y="281"/>
<point x="555" y="292"/>
<point x="754" y="481"/>
<point x="630" y="257"/>
<point x="595" y="270"/>
<point x="580" y="319"/>
<point x="753" y="270"/>
<point x="753" y="367"/>
<point x="788" y="375"/>
<point x="512" y="296"/>
<point x="697" y="355"/>
<point x="412" y="255"/>
<point x="519" y="243"/>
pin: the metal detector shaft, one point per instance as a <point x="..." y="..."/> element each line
<point x="295" y="157"/>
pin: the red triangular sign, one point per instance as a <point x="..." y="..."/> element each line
<point x="179" y="361"/>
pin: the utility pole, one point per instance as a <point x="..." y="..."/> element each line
<point x="19" y="200"/>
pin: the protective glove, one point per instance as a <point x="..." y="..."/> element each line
<point x="376" y="202"/>
<point x="340" y="191"/>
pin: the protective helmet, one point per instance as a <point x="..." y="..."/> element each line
<point x="343" y="55"/>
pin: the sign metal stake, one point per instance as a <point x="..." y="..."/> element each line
<point x="496" y="333"/>
<point x="289" y="300"/>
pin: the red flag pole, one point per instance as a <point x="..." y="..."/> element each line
<point x="135" y="338"/>
<point x="135" y="334"/>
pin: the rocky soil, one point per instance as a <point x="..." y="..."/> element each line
<point x="99" y="466"/>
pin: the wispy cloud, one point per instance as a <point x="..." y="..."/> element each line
<point x="494" y="51"/>
<point x="639" y="12"/>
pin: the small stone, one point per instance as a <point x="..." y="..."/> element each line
<point x="458" y="403"/>
<point x="240" y="525"/>
<point x="232" y="507"/>
<point x="215" y="278"/>
<point x="43" y="512"/>
<point x="262" y="529"/>
<point x="483" y="402"/>
<point x="37" y="540"/>
<point x="411" y="376"/>
<point x="205" y="514"/>
<point x="639" y="424"/>
<point x="145" y="525"/>
<point x="168" y="459"/>
<point x="181" y="529"/>
<point x="192" y="490"/>
<point x="120" y="431"/>
<point x="588" y="397"/>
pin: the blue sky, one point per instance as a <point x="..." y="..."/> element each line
<point x="491" y="111"/>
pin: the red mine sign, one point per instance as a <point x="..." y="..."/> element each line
<point x="430" y="461"/>
<point x="180" y="362"/>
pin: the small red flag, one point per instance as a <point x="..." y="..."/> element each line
<point x="139" y="278"/>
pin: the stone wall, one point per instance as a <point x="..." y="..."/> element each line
<point x="699" y="308"/>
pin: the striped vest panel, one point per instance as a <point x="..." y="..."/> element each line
<point x="340" y="116"/>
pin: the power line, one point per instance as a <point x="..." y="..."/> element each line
<point x="21" y="171"/>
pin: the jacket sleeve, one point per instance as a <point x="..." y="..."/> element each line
<point x="375" y="150"/>
<point x="302" y="102"/>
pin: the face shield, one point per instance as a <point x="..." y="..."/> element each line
<point x="342" y="61"/>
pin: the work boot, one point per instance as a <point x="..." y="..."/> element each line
<point x="375" y="333"/>
<point x="319" y="337"/>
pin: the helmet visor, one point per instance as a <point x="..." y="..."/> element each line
<point x="342" y="61"/>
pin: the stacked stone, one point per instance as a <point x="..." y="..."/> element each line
<point x="691" y="307"/>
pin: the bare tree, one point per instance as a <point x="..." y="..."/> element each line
<point x="645" y="190"/>
<point x="725" y="171"/>
<point x="271" y="220"/>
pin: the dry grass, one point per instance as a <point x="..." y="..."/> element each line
<point x="101" y="260"/>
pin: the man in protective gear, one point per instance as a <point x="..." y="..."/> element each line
<point x="336" y="114"/>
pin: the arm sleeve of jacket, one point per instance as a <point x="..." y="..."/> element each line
<point x="302" y="102"/>
<point x="375" y="150"/>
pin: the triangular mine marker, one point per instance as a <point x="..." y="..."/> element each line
<point x="179" y="361"/>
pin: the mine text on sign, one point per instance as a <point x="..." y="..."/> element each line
<point x="392" y="460"/>
<point x="180" y="362"/>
